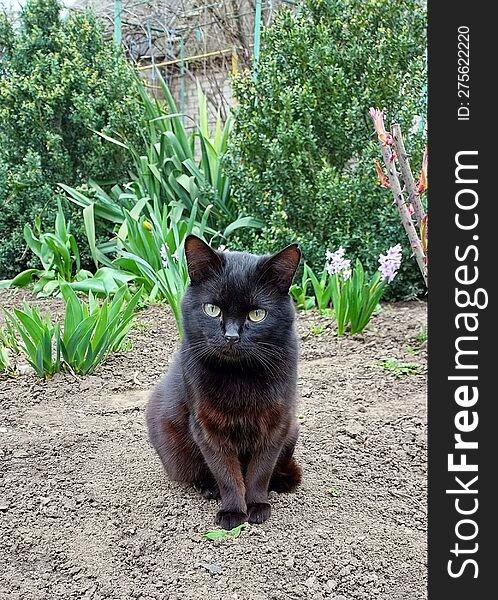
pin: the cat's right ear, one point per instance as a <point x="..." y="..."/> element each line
<point x="201" y="259"/>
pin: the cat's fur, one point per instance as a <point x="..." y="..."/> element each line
<point x="223" y="419"/>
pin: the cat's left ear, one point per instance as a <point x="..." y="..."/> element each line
<point x="280" y="268"/>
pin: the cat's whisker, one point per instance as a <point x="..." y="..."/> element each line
<point x="193" y="346"/>
<point x="266" y="362"/>
<point x="272" y="349"/>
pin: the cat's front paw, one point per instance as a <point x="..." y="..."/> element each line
<point x="228" y="519"/>
<point x="258" y="512"/>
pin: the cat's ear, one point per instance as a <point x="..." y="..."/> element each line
<point x="201" y="259"/>
<point x="280" y="268"/>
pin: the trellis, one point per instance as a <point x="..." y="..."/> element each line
<point x="183" y="38"/>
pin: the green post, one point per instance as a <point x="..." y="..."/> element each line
<point x="182" y="79"/>
<point x="257" y="35"/>
<point x="117" y="22"/>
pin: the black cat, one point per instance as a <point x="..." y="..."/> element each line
<point x="223" y="418"/>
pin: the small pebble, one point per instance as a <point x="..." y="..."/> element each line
<point x="212" y="568"/>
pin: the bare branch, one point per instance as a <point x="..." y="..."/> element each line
<point x="406" y="172"/>
<point x="404" y="213"/>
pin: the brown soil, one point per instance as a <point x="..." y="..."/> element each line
<point x="86" y="511"/>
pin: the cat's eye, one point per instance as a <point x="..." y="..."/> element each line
<point x="257" y="315"/>
<point x="211" y="310"/>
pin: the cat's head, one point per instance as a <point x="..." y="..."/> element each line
<point x="237" y="305"/>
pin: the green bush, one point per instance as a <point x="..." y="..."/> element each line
<point x="59" y="80"/>
<point x="303" y="145"/>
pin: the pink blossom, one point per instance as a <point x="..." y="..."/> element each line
<point x="338" y="264"/>
<point x="390" y="263"/>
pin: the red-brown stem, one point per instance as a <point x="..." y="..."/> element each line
<point x="406" y="172"/>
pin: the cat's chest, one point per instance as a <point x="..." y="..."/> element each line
<point x="241" y="425"/>
<point x="240" y="409"/>
<point x="242" y="396"/>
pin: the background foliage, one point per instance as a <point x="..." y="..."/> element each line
<point x="303" y="146"/>
<point x="58" y="81"/>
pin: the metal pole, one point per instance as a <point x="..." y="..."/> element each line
<point x="257" y="35"/>
<point x="152" y="55"/>
<point x="182" y="79"/>
<point x="235" y="68"/>
<point x="117" y="22"/>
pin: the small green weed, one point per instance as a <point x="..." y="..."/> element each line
<point x="141" y="326"/>
<point x="127" y="345"/>
<point x="412" y="351"/>
<point x="421" y="336"/>
<point x="399" y="369"/>
<point x="317" y="328"/>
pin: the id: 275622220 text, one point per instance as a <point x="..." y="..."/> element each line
<point x="463" y="76"/>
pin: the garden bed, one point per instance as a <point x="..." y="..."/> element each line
<point x="86" y="511"/>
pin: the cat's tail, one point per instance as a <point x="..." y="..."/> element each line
<point x="286" y="476"/>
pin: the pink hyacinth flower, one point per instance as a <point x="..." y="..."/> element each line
<point x="390" y="262"/>
<point x="338" y="264"/>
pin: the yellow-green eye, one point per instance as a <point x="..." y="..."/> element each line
<point x="211" y="310"/>
<point x="257" y="315"/>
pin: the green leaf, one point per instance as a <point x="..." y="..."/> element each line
<point x="110" y="139"/>
<point x="89" y="222"/>
<point x="111" y="211"/>
<point x="76" y="341"/>
<point x="36" y="335"/>
<point x="21" y="280"/>
<point x="203" y="113"/>
<point x="60" y="222"/>
<point x="242" y="222"/>
<point x="74" y="312"/>
<point x="217" y="534"/>
<point x="33" y="242"/>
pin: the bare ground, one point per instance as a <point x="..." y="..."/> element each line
<point x="86" y="511"/>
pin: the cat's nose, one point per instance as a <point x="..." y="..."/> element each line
<point x="231" y="329"/>
<point x="232" y="337"/>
